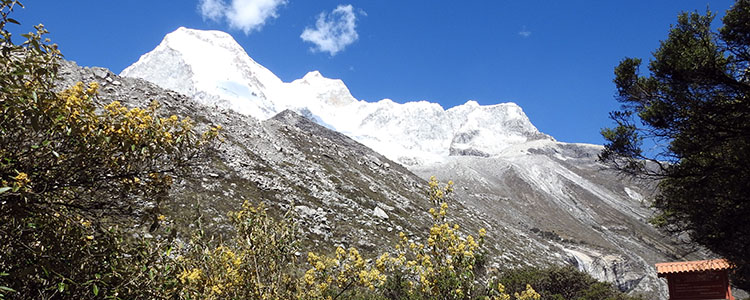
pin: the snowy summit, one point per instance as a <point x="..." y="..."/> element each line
<point x="213" y="68"/>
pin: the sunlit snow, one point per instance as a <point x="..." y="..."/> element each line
<point x="212" y="67"/>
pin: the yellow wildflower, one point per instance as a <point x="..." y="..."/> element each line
<point x="22" y="179"/>
<point x="191" y="275"/>
<point x="216" y="289"/>
<point x="310" y="277"/>
<point x="320" y="266"/>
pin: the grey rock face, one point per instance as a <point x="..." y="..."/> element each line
<point x="588" y="215"/>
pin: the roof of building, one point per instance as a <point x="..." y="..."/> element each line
<point x="663" y="269"/>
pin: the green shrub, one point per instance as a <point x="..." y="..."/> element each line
<point x="561" y="283"/>
<point x="72" y="176"/>
<point x="259" y="262"/>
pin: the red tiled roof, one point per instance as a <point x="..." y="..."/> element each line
<point x="692" y="266"/>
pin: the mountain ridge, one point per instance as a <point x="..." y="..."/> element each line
<point x="213" y="68"/>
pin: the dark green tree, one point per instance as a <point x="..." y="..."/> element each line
<point x="693" y="112"/>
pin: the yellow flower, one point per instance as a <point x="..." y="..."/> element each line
<point x="340" y="252"/>
<point x="380" y="262"/>
<point x="93" y="87"/>
<point x="192" y="275"/>
<point x="161" y="217"/>
<point x="470" y="241"/>
<point x="310" y="277"/>
<point x="311" y="257"/>
<point x="22" y="179"/>
<point x="435" y="230"/>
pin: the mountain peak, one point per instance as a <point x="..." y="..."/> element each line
<point x="313" y="74"/>
<point x="472" y="103"/>
<point x="212" y="67"/>
<point x="206" y="42"/>
<point x="200" y="34"/>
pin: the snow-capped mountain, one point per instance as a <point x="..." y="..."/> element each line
<point x="211" y="67"/>
<point x="545" y="201"/>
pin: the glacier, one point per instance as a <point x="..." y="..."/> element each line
<point x="213" y="68"/>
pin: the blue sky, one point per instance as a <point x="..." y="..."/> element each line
<point x="554" y="58"/>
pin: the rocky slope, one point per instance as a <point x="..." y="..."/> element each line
<point x="343" y="192"/>
<point x="542" y="201"/>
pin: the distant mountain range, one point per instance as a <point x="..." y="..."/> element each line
<point x="307" y="143"/>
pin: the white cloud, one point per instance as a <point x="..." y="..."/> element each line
<point x="246" y="15"/>
<point x="333" y="32"/>
<point x="524" y="32"/>
<point x="212" y="9"/>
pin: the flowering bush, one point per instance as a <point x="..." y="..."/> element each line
<point x="330" y="277"/>
<point x="258" y="263"/>
<point x="444" y="267"/>
<point x="71" y="173"/>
